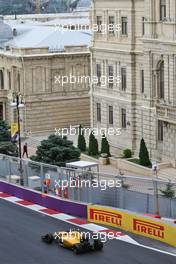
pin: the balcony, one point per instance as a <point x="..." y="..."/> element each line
<point x="166" y="113"/>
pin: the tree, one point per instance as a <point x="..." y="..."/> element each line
<point x="4" y="131"/>
<point x="93" y="145"/>
<point x="105" y="146"/>
<point x="56" y="150"/>
<point x="6" y="146"/>
<point x="169" y="192"/>
<point x="81" y="140"/>
<point x="144" y="159"/>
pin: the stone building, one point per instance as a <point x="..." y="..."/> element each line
<point x="31" y="61"/>
<point x="142" y="53"/>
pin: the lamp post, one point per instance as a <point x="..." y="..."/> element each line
<point x="157" y="205"/>
<point x="18" y="103"/>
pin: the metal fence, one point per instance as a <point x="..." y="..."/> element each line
<point x="128" y="192"/>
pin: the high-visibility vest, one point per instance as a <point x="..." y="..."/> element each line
<point x="66" y="193"/>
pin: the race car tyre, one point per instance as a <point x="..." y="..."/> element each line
<point x="77" y="249"/>
<point x="48" y="238"/>
<point x="98" y="244"/>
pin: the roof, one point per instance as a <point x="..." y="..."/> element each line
<point x="82" y="164"/>
<point x="37" y="35"/>
<point x="51" y="38"/>
<point x="6" y="32"/>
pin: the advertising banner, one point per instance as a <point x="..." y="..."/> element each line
<point x="134" y="223"/>
<point x="14" y="132"/>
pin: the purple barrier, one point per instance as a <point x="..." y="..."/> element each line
<point x="65" y="206"/>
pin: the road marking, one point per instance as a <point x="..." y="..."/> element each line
<point x="158" y="250"/>
<point x="74" y="221"/>
<point x="12" y="199"/>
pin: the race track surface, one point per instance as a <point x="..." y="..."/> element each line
<point x="20" y="243"/>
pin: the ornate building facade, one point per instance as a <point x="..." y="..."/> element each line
<point x="31" y="62"/>
<point x="143" y="54"/>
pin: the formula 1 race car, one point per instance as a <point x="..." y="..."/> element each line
<point x="74" y="240"/>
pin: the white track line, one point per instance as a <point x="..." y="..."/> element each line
<point x="91" y="227"/>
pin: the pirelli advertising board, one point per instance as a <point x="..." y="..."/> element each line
<point x="134" y="223"/>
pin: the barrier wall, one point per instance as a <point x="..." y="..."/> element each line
<point x="134" y="223"/>
<point x="66" y="206"/>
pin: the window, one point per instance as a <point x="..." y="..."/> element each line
<point x="1" y="79"/>
<point x="143" y="26"/>
<point x="162" y="10"/>
<point x="160" y="130"/>
<point x="111" y="24"/>
<point x="98" y="69"/>
<point x="9" y="76"/>
<point x="123" y="117"/>
<point x="98" y="112"/>
<point x="99" y="23"/>
<point x="111" y="121"/>
<point x="123" y="79"/>
<point x="18" y="80"/>
<point x="110" y="76"/>
<point x="142" y="81"/>
<point x="124" y="25"/>
<point x="161" y="80"/>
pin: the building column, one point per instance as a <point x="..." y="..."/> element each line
<point x="4" y="110"/>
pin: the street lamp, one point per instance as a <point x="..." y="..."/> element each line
<point x="18" y="104"/>
<point x="155" y="182"/>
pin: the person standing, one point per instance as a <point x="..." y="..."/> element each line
<point x="25" y="150"/>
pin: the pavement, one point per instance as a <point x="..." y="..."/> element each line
<point x="164" y="174"/>
<point x="21" y="231"/>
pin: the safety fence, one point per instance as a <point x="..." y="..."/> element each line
<point x="141" y="195"/>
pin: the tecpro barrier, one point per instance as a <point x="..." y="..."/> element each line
<point x="66" y="206"/>
<point x="134" y="223"/>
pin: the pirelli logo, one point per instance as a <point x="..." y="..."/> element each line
<point x="148" y="228"/>
<point x="106" y="217"/>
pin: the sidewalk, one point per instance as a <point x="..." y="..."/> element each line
<point x="164" y="174"/>
<point x="33" y="142"/>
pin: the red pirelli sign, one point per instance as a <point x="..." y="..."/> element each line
<point x="105" y="216"/>
<point x="148" y="228"/>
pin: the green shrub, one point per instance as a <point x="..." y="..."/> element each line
<point x="4" y="131"/>
<point x="127" y="153"/>
<point x="81" y="140"/>
<point x="169" y="192"/>
<point x="8" y="148"/>
<point x="144" y="159"/>
<point x="93" y="145"/>
<point x="56" y="151"/>
<point x="105" y="146"/>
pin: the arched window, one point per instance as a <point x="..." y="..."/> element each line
<point x="161" y="80"/>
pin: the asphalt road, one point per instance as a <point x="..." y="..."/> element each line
<point x="20" y="243"/>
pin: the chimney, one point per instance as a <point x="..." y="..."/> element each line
<point x="14" y="32"/>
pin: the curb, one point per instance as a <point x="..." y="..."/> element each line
<point x="82" y="223"/>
